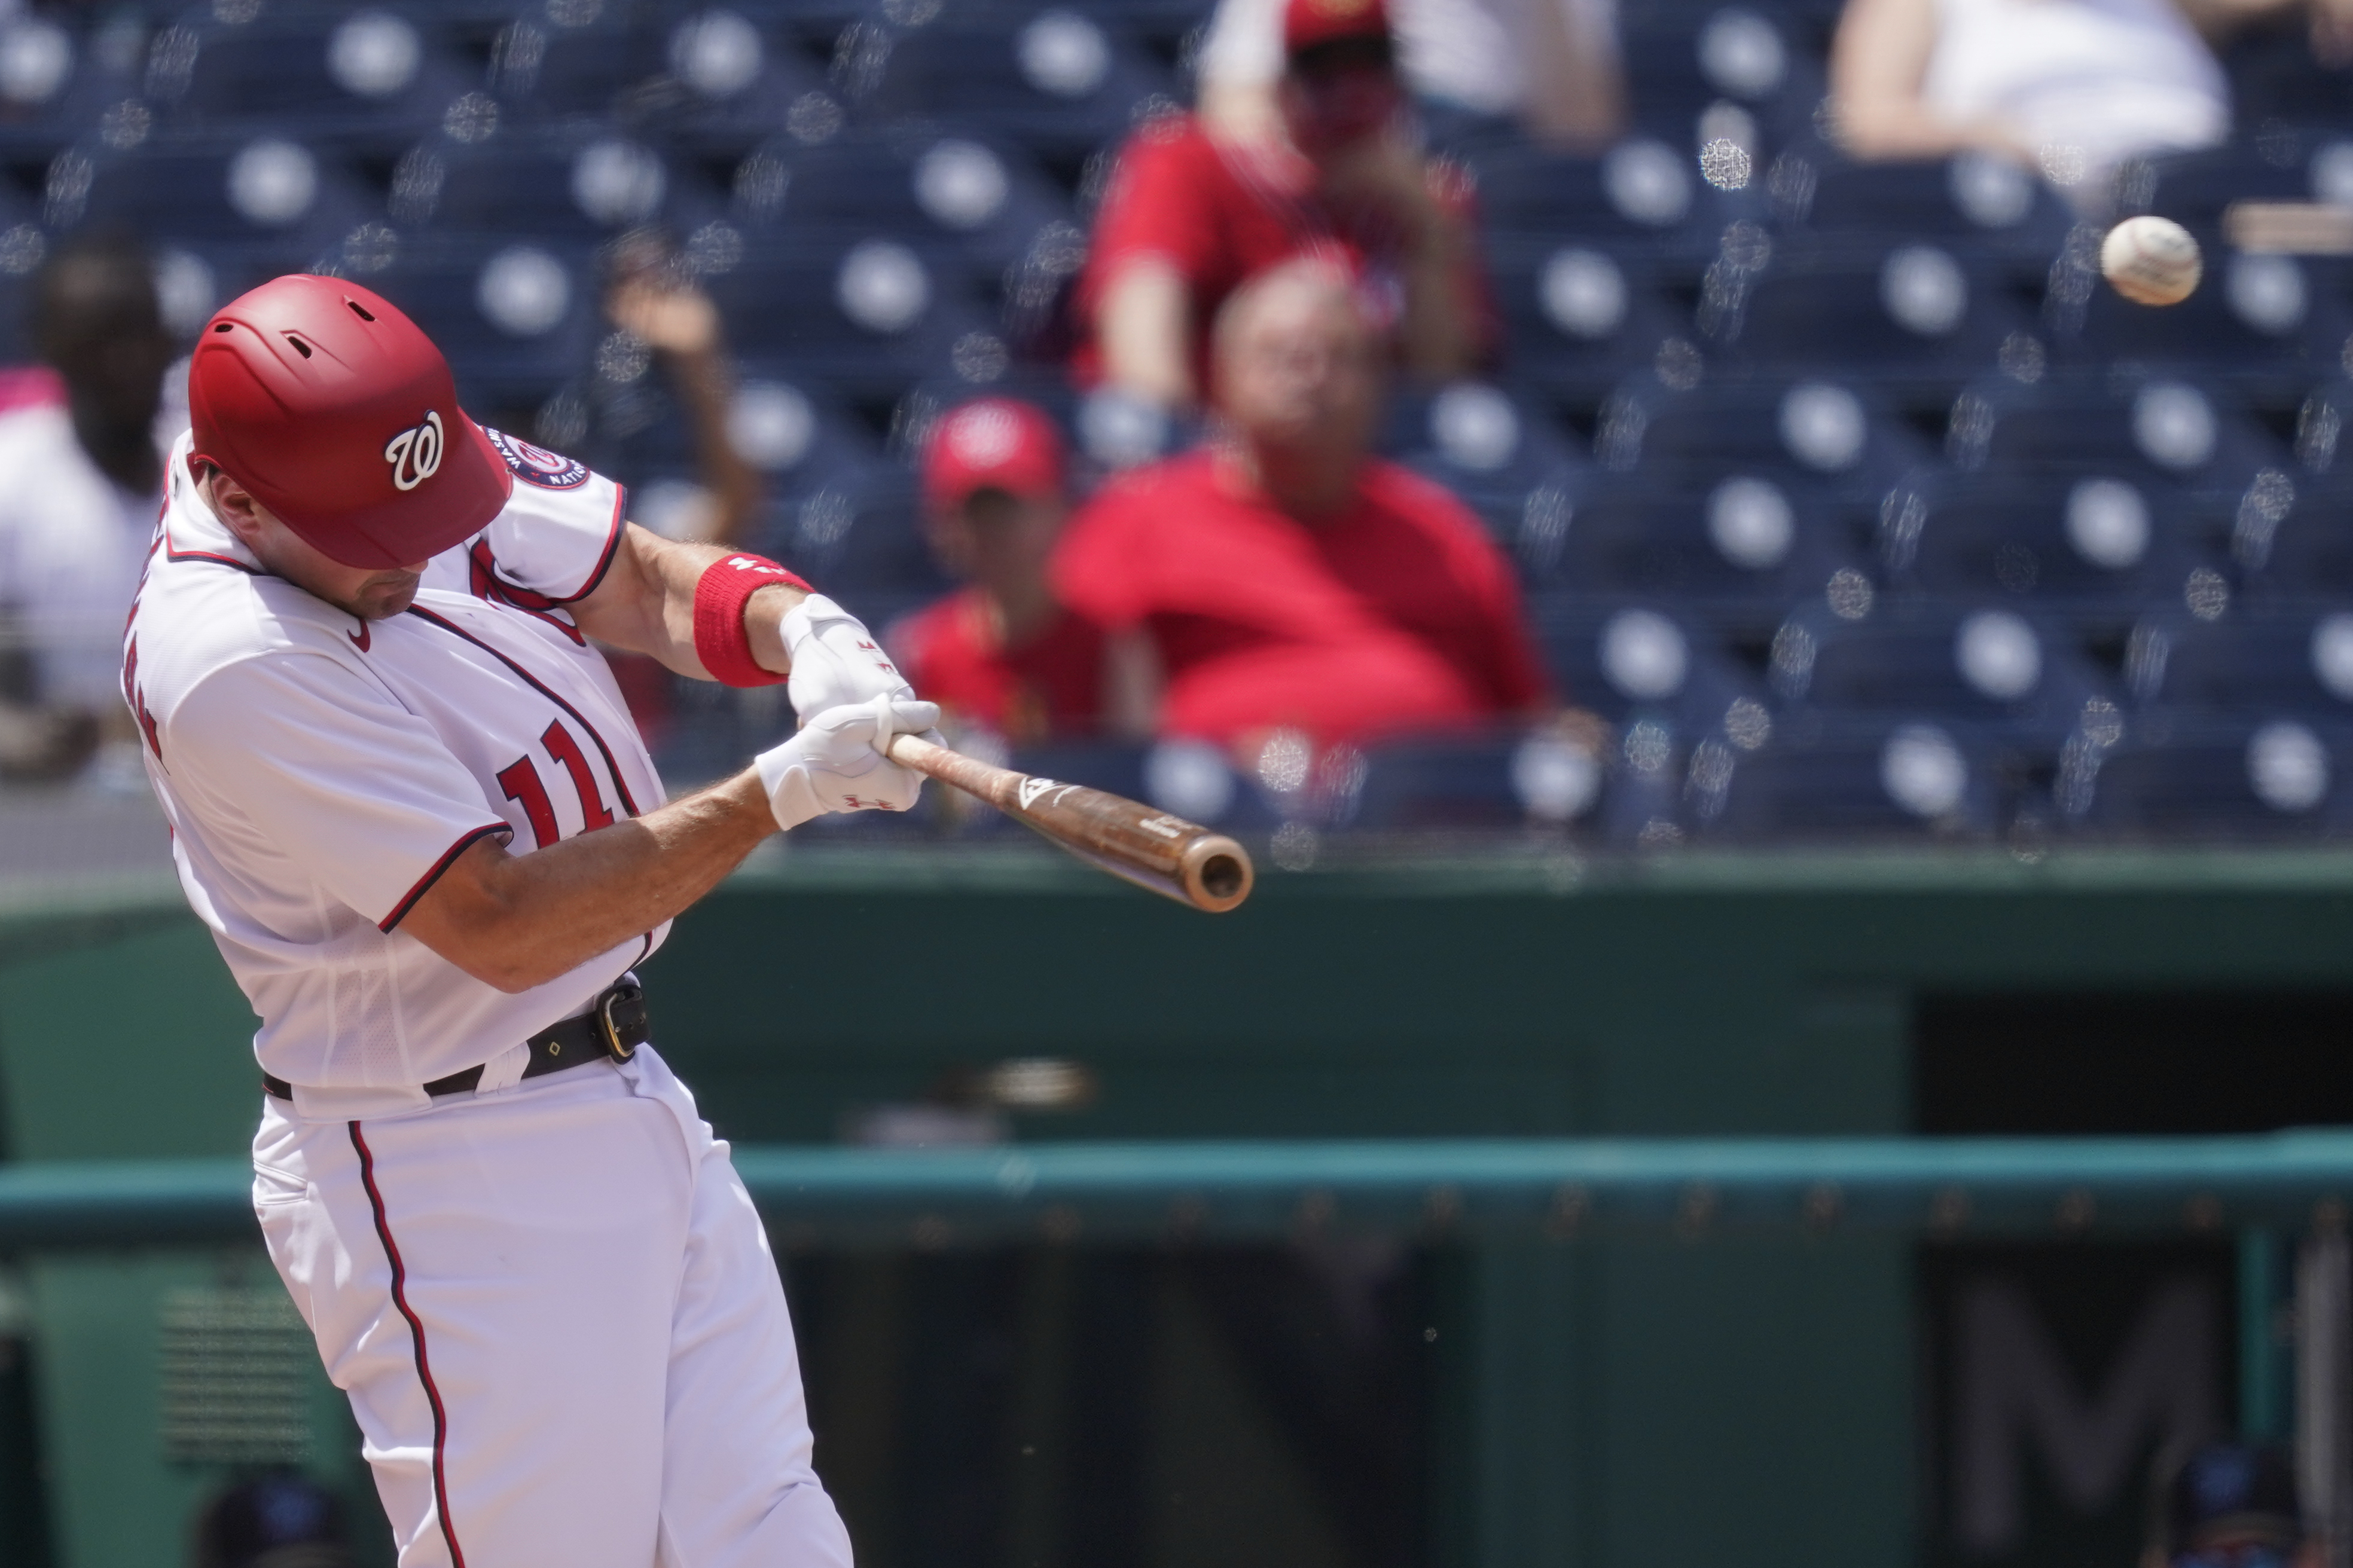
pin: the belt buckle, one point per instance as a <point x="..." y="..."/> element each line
<point x="630" y="999"/>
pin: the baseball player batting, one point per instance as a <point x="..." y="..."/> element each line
<point x="406" y="796"/>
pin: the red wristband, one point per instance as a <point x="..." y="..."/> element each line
<point x="719" y="639"/>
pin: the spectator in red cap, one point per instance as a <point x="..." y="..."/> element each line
<point x="1191" y="215"/>
<point x="1002" y="651"/>
<point x="1480" y="66"/>
<point x="1284" y="577"/>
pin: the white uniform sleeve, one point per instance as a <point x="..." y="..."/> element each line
<point x="557" y="535"/>
<point x="322" y="764"/>
<point x="1245" y="44"/>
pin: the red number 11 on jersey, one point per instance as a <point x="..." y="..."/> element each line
<point x="521" y="780"/>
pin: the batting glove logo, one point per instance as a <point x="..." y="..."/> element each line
<point x="415" y="454"/>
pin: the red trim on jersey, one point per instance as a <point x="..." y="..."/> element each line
<point x="164" y="530"/>
<point x="612" y="547"/>
<point x="416" y="1333"/>
<point x="629" y="802"/>
<point x="488" y="584"/>
<point x="424" y="883"/>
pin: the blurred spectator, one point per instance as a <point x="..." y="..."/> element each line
<point x="1551" y="65"/>
<point x="1001" y="652"/>
<point x="1283" y="577"/>
<point x="2229" y="1506"/>
<point x="279" y="1520"/>
<point x="79" y="484"/>
<point x="2074" y="87"/>
<point x="654" y="299"/>
<point x="1191" y="214"/>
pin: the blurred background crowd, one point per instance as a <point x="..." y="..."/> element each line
<point x="1336" y="420"/>
<point x="1542" y="429"/>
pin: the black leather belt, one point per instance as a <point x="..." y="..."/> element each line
<point x="611" y="1030"/>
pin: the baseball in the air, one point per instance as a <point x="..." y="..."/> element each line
<point x="2151" y="260"/>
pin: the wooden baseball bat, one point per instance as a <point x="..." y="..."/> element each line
<point x="1173" y="857"/>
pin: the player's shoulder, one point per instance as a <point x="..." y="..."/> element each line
<point x="197" y="617"/>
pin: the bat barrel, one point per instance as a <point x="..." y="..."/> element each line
<point x="1216" y="873"/>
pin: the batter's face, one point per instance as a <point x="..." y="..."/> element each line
<point x="370" y="592"/>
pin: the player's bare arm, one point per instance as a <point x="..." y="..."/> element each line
<point x="519" y="921"/>
<point x="646" y="605"/>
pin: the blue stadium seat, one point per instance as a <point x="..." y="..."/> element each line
<point x="1973" y="205"/>
<point x="799" y="439"/>
<point x="1626" y="660"/>
<point x="2093" y="542"/>
<point x="2272" y="66"/>
<point x="1827" y="434"/>
<point x="554" y="61"/>
<point x="271" y="194"/>
<point x="1991" y="667"/>
<point x="2194" y="188"/>
<point x="953" y="190"/>
<point x="1441" y="786"/>
<point x="1493" y="451"/>
<point x="518" y="313"/>
<point x="59" y="83"/>
<point x="1642" y="198"/>
<point x="865" y="314"/>
<point x="738" y="76"/>
<point x="367" y="82"/>
<point x="859" y="534"/>
<point x="2242" y="776"/>
<point x="1910" y="316"/>
<point x="571" y="184"/>
<point x="1054" y="81"/>
<point x="1577" y="318"/>
<point x="1739" y="69"/>
<point x="2156" y="426"/>
<point x="2303" y="552"/>
<point x="1735" y="556"/>
<point x="2271" y="325"/>
<point x="1898" y="777"/>
<point x="2281" y="664"/>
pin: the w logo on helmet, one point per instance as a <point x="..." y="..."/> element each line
<point x="415" y="453"/>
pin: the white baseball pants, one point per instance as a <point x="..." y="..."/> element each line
<point x="557" y="1318"/>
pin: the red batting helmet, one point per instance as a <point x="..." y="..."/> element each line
<point x="338" y="415"/>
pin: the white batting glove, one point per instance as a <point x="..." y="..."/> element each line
<point x="835" y="762"/>
<point x="835" y="659"/>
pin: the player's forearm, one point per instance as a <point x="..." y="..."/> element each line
<point x="519" y="921"/>
<point x="646" y="605"/>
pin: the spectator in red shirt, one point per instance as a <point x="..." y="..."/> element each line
<point x="1001" y="652"/>
<point x="1284" y="577"/>
<point x="1189" y="215"/>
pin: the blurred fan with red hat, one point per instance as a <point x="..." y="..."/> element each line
<point x="1002" y="652"/>
<point x="1477" y="69"/>
<point x="1192" y="212"/>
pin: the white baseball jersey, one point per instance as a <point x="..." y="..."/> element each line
<point x="320" y="772"/>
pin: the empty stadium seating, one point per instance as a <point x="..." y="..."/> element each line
<point x="1844" y="491"/>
